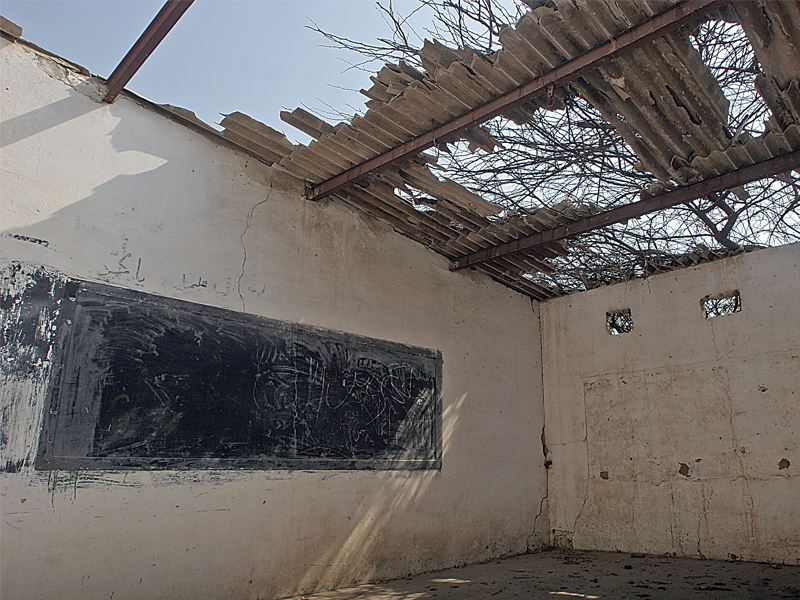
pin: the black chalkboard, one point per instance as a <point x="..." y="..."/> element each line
<point x="148" y="382"/>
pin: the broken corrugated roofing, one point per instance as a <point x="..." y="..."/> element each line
<point x="661" y="98"/>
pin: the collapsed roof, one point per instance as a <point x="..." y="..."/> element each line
<point x="632" y="60"/>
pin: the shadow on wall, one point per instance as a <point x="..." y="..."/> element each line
<point x="41" y="119"/>
<point x="115" y="195"/>
<point x="394" y="495"/>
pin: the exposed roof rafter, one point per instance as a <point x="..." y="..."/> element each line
<point x="158" y="29"/>
<point x="681" y="195"/>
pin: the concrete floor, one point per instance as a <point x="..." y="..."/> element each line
<point x="567" y="575"/>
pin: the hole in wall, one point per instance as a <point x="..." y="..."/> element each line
<point x="619" y="322"/>
<point x="722" y="304"/>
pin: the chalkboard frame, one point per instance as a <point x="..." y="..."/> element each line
<point x="62" y="408"/>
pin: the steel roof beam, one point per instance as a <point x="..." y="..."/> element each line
<point x="654" y="27"/>
<point x="681" y="195"/>
<point x="158" y="29"/>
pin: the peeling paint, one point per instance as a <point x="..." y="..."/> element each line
<point x="30" y="300"/>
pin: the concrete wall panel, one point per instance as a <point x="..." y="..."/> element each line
<point x="123" y="195"/>
<point x="680" y="436"/>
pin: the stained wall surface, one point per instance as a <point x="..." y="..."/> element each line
<point x="121" y="194"/>
<point x="680" y="436"/>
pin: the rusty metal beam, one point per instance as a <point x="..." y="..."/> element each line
<point x="681" y="195"/>
<point x="157" y="30"/>
<point x="652" y="28"/>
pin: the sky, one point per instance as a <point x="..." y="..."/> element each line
<point x="253" y="56"/>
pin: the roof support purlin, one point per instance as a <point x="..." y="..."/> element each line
<point x="652" y="28"/>
<point x="158" y="29"/>
<point x="681" y="195"/>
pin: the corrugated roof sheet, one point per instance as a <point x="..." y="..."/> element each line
<point x="661" y="98"/>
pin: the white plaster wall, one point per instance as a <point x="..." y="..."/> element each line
<point x="719" y="396"/>
<point x="123" y="195"/>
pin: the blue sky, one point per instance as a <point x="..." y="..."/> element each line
<point x="254" y="56"/>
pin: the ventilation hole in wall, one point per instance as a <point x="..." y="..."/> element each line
<point x="720" y="305"/>
<point x="619" y="321"/>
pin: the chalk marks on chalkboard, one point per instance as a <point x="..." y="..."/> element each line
<point x="149" y="382"/>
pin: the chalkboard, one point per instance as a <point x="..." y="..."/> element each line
<point x="147" y="382"/>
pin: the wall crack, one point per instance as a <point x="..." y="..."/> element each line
<point x="241" y="241"/>
<point x="548" y="542"/>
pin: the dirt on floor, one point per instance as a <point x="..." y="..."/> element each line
<point x="566" y="575"/>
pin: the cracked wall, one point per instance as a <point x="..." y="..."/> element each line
<point x="121" y="194"/>
<point x="680" y="436"/>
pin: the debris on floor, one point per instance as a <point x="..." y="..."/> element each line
<point x="574" y="575"/>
